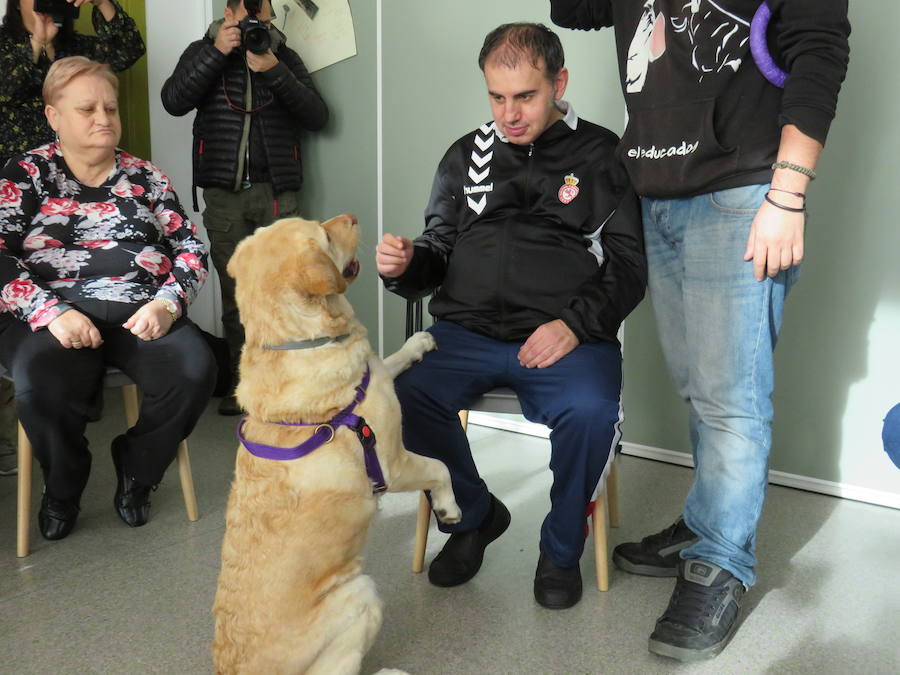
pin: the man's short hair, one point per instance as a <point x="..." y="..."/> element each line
<point x="63" y="71"/>
<point x="533" y="41"/>
<point x="233" y="4"/>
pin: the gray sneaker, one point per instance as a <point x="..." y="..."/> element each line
<point x="657" y="554"/>
<point x="702" y="615"/>
<point x="8" y="459"/>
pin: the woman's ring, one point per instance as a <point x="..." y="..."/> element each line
<point x="76" y="343"/>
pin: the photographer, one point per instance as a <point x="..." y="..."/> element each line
<point x="30" y="41"/>
<point x="253" y="98"/>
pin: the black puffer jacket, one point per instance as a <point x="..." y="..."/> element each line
<point x="284" y="103"/>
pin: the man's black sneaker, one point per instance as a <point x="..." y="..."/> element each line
<point x="462" y="555"/>
<point x="702" y="614"/>
<point x="556" y="587"/>
<point x="657" y="554"/>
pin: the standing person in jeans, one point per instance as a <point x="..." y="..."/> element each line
<point x="722" y="159"/>
<point x="533" y="249"/>
<point x="251" y="111"/>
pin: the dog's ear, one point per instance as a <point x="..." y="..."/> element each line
<point x="236" y="261"/>
<point x="318" y="274"/>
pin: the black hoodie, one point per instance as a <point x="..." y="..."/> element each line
<point x="701" y="116"/>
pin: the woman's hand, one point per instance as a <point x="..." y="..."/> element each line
<point x="75" y="331"/>
<point x="150" y="322"/>
<point x="42" y="35"/>
<point x="107" y="9"/>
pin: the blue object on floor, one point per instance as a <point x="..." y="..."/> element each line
<point x="891" y="434"/>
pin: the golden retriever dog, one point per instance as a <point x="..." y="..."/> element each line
<point x="291" y="596"/>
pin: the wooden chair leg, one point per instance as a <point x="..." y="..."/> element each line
<point x="187" y="482"/>
<point x="601" y="554"/>
<point x="130" y="398"/>
<point x="423" y="516"/>
<point x="612" y="494"/>
<point x="423" y="520"/>
<point x="23" y="507"/>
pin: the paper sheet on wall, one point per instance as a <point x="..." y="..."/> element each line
<point x="321" y="31"/>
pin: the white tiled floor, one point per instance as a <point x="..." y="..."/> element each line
<point x="110" y="599"/>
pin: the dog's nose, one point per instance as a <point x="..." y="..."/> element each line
<point x="352" y="218"/>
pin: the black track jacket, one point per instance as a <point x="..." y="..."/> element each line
<point x="519" y="235"/>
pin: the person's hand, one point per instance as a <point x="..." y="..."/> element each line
<point x="229" y="37"/>
<point x="393" y="255"/>
<point x="44" y="30"/>
<point x="150" y="322"/>
<point x="74" y="330"/>
<point x="260" y="63"/>
<point x="547" y="345"/>
<point x="776" y="239"/>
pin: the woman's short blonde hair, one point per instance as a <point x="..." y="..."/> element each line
<point x="65" y="70"/>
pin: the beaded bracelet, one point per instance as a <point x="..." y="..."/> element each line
<point x="795" y="167"/>
<point x="785" y="207"/>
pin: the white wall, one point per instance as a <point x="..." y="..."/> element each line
<point x="171" y="26"/>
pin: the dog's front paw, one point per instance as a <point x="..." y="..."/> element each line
<point x="445" y="507"/>
<point x="418" y="344"/>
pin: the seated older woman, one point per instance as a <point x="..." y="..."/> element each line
<point x="98" y="263"/>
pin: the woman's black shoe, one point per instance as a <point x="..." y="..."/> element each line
<point x="132" y="499"/>
<point x="57" y="517"/>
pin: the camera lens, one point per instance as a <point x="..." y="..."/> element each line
<point x="255" y="36"/>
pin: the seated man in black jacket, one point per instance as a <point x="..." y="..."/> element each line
<point x="534" y="253"/>
<point x="251" y="109"/>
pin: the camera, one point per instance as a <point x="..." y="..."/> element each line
<point x="254" y="33"/>
<point x="60" y="10"/>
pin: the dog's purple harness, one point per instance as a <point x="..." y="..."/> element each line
<point x="323" y="434"/>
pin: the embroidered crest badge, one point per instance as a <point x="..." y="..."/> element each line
<point x="569" y="191"/>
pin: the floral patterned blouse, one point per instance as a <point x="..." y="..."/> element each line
<point x="22" y="122"/>
<point x="126" y="241"/>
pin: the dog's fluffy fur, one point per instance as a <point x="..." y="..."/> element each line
<point x="292" y="597"/>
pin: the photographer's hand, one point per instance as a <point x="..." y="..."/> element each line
<point x="107" y="9"/>
<point x="260" y="63"/>
<point x="229" y="37"/>
<point x="43" y="33"/>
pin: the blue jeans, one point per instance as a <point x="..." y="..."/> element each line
<point x="718" y="328"/>
<point x="578" y="397"/>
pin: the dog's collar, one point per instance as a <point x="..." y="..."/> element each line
<point x="323" y="434"/>
<point x="309" y="344"/>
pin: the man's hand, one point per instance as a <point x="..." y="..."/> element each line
<point x="393" y="255"/>
<point x="229" y="37"/>
<point x="776" y="239"/>
<point x="547" y="345"/>
<point x="74" y="330"/>
<point x="150" y="322"/>
<point x="260" y="63"/>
